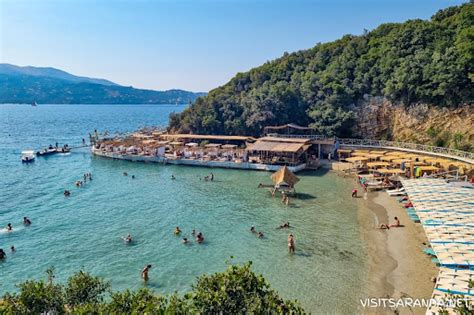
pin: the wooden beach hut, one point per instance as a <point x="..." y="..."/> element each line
<point x="277" y="150"/>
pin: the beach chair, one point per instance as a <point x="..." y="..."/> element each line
<point x="429" y="251"/>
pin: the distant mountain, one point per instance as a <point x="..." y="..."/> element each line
<point x="54" y="86"/>
<point x="48" y="72"/>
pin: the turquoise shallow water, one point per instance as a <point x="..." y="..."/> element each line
<point x="327" y="274"/>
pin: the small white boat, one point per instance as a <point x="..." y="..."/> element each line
<point x="27" y="156"/>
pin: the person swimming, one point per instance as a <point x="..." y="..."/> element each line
<point x="194" y="232"/>
<point x="177" y="231"/>
<point x="145" y="272"/>
<point x="9" y="227"/>
<point x="200" y="238"/>
<point x="172" y="177"/>
<point x="260" y="235"/>
<point x="185" y="241"/>
<point x="13" y="249"/>
<point x="252" y="229"/>
<point x="125" y="174"/>
<point x="128" y="239"/>
<point x="3" y="255"/>
<point x="133" y="176"/>
<point x="284" y="226"/>
<point x="67" y="193"/>
<point x="26" y="221"/>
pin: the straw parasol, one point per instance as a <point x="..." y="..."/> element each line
<point x="356" y="159"/>
<point x="376" y="164"/>
<point x="284" y="177"/>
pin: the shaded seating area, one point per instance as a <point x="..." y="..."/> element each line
<point x="280" y="151"/>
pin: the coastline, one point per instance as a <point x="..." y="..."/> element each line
<point x="397" y="266"/>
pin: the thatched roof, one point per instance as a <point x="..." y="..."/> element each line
<point x="284" y="177"/>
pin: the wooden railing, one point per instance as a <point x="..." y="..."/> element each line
<point x="409" y="146"/>
<point x="451" y="153"/>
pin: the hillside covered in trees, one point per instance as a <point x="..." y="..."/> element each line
<point x="415" y="62"/>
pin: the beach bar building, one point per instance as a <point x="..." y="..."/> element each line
<point x="280" y="151"/>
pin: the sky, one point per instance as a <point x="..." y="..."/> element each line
<point x="195" y="45"/>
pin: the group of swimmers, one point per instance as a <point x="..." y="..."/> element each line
<point x="9" y="228"/>
<point x="79" y="183"/>
<point x="86" y="177"/>
<point x="208" y="178"/>
<point x="26" y="222"/>
<point x="126" y="174"/>
<point x="199" y="236"/>
<point x="259" y="234"/>
<point x="291" y="238"/>
<point x="177" y="231"/>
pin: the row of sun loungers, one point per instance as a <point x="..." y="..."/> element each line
<point x="446" y="213"/>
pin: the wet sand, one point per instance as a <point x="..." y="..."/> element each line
<point x="398" y="268"/>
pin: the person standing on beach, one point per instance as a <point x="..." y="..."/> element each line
<point x="145" y="272"/>
<point x="291" y="244"/>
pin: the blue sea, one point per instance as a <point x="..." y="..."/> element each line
<point x="327" y="274"/>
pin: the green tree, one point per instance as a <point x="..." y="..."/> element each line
<point x="83" y="288"/>
<point x="238" y="291"/>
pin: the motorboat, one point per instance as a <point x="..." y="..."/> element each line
<point x="46" y="151"/>
<point x="27" y="156"/>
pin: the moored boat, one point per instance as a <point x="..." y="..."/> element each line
<point x="46" y="151"/>
<point x="27" y="156"/>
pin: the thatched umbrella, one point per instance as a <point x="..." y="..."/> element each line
<point x="284" y="178"/>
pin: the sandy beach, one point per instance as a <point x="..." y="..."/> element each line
<point x="398" y="268"/>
